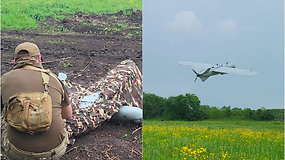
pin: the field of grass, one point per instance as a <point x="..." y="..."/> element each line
<point x="214" y="140"/>
<point x="24" y="14"/>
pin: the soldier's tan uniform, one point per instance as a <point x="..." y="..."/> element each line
<point x="27" y="80"/>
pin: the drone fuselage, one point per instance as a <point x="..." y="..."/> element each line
<point x="207" y="73"/>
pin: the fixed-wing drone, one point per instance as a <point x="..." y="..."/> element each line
<point x="204" y="71"/>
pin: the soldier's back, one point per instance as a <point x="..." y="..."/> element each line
<point x="26" y="80"/>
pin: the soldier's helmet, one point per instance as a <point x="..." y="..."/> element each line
<point x="26" y="49"/>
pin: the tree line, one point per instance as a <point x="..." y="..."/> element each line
<point x="187" y="107"/>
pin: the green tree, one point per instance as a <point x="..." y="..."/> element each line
<point x="248" y="113"/>
<point x="263" y="114"/>
<point x="177" y="108"/>
<point x="237" y="113"/>
<point x="205" y="109"/>
<point x="214" y="113"/>
<point x="153" y="105"/>
<point x="183" y="108"/>
<point x="226" y="111"/>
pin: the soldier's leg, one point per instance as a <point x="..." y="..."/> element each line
<point x="122" y="84"/>
<point x="5" y="144"/>
<point x="125" y="83"/>
<point x="4" y="140"/>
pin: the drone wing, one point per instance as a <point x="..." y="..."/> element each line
<point x="198" y="67"/>
<point x="235" y="71"/>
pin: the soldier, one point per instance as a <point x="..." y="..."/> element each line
<point x="34" y="103"/>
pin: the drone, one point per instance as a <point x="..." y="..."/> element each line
<point x="204" y="71"/>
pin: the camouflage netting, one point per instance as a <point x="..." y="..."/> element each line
<point x="121" y="86"/>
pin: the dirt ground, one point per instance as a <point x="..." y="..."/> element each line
<point x="86" y="47"/>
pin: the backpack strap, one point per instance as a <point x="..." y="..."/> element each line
<point x="45" y="77"/>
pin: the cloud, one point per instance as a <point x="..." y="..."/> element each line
<point x="227" y="27"/>
<point x="185" y="21"/>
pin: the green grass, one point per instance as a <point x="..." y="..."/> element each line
<point x="66" y="65"/>
<point x="25" y="14"/>
<point x="121" y="25"/>
<point x="59" y="41"/>
<point x="129" y="35"/>
<point x="111" y="29"/>
<point x="170" y="140"/>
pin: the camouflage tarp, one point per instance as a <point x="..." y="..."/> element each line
<point x="121" y="86"/>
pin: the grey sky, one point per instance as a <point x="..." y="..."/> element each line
<point x="246" y="33"/>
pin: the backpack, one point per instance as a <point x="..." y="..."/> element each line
<point x="30" y="112"/>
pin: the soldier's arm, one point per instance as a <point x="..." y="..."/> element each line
<point x="66" y="109"/>
<point x="66" y="112"/>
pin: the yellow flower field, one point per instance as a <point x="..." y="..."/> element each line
<point x="206" y="140"/>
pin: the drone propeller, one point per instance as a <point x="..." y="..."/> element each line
<point x="196" y="75"/>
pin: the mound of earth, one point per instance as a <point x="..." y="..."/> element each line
<point x="86" y="47"/>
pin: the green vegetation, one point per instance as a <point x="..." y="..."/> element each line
<point x="229" y="133"/>
<point x="126" y="26"/>
<point x="111" y="29"/>
<point x="17" y="14"/>
<point x="94" y="24"/>
<point x="135" y="27"/>
<point x="85" y="23"/>
<point x="65" y="65"/>
<point x="127" y="12"/>
<point x="129" y="35"/>
<point x="125" y="135"/>
<point x="187" y="107"/>
<point x="60" y="41"/>
<point x="138" y="33"/>
<point x="212" y="140"/>
<point x="120" y="26"/>
<point x="57" y="41"/>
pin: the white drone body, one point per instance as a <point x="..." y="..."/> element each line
<point x="204" y="71"/>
